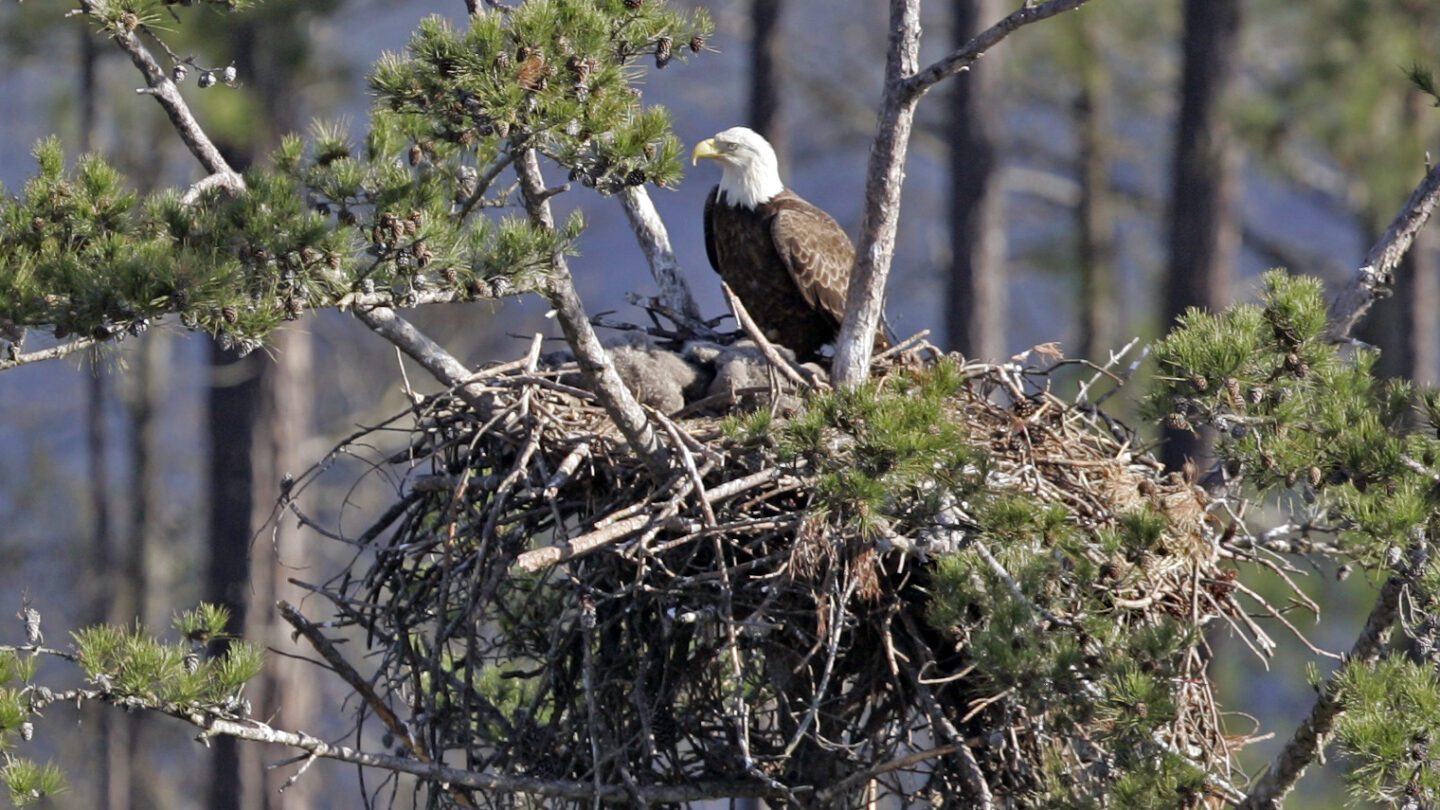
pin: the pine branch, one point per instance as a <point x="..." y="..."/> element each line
<point x="382" y="320"/>
<point x="213" y="726"/>
<point x="159" y="85"/>
<point x="1376" y="276"/>
<point x="556" y="789"/>
<point x="41" y="355"/>
<point x="1305" y="744"/>
<point x="1424" y="80"/>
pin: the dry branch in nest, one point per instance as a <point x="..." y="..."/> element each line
<point x="936" y="586"/>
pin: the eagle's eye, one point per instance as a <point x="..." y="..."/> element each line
<point x="729" y="147"/>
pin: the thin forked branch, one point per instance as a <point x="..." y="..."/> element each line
<point x="905" y="83"/>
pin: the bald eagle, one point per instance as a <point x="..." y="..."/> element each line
<point x="788" y="261"/>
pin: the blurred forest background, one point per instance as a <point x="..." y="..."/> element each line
<point x="1091" y="178"/>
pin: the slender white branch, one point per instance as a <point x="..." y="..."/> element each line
<point x="431" y="356"/>
<point x="795" y="373"/>
<point x="655" y="242"/>
<point x="457" y="777"/>
<point x="883" y="181"/>
<point x="960" y="60"/>
<point x="51" y="353"/>
<point x="229" y="181"/>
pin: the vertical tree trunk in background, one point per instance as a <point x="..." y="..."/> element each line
<point x="766" y="56"/>
<point x="1099" y="319"/>
<point x="286" y="687"/>
<point x="146" y="384"/>
<point x="112" y="788"/>
<point x="977" y="299"/>
<point x="1403" y="325"/>
<point x="136" y="597"/>
<point x="1419" y="288"/>
<point x="1204" y="231"/>
<point x="233" y="410"/>
<point x="270" y="420"/>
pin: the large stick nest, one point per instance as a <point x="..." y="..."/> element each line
<point x="770" y="620"/>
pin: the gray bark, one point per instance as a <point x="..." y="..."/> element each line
<point x="233" y="411"/>
<point x="883" y="181"/>
<point x="654" y="240"/>
<point x="599" y="372"/>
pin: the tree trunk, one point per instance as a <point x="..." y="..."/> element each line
<point x="977" y="294"/>
<point x="113" y="776"/>
<point x="1403" y="326"/>
<point x="1099" y="319"/>
<point x="135" y="599"/>
<point x="1419" y="288"/>
<point x="233" y="411"/>
<point x="765" y="74"/>
<point x="1204" y="231"/>
<point x="265" y="418"/>
<point x="285" y="689"/>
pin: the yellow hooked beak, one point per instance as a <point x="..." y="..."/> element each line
<point x="704" y="149"/>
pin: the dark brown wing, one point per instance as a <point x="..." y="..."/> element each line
<point x="816" y="251"/>
<point x="710" y="227"/>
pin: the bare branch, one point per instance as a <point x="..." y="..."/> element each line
<point x="433" y="357"/>
<point x="961" y="60"/>
<point x="904" y="85"/>
<point x="611" y="532"/>
<point x="348" y="674"/>
<point x="797" y="374"/>
<point x="883" y="182"/>
<point x="51" y="353"/>
<point x="655" y="241"/>
<point x="229" y="181"/>
<point x="256" y="731"/>
<point x="905" y="761"/>
<point x="594" y="363"/>
<point x="1377" y="275"/>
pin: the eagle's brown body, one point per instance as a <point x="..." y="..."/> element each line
<point x="788" y="261"/>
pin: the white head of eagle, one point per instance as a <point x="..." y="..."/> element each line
<point x="787" y="260"/>
<point x="750" y="174"/>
